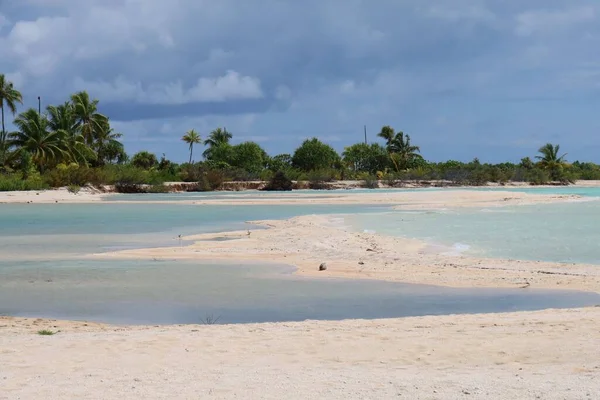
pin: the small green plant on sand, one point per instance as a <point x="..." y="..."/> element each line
<point x="74" y="189"/>
<point x="46" y="332"/>
<point x="211" y="320"/>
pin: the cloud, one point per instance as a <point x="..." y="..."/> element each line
<point x="230" y="86"/>
<point x="552" y="21"/>
<point x="3" y="21"/>
<point x="458" y="76"/>
<point x="458" y="13"/>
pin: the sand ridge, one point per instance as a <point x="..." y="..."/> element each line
<point x="308" y="241"/>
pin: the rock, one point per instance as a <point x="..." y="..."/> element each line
<point x="322" y="267"/>
<point x="361" y="263"/>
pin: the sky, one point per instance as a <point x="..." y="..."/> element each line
<point x="493" y="79"/>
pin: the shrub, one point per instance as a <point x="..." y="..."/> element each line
<point x="537" y="176"/>
<point x="144" y="160"/>
<point x="478" y="177"/>
<point x="211" y="180"/>
<point x="74" y="189"/>
<point x="9" y="183"/>
<point x="370" y="182"/>
<point x="279" y="182"/>
<point x="318" y="179"/>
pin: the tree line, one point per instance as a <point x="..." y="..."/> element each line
<point x="74" y="144"/>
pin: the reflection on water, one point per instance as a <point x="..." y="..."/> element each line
<point x="161" y="292"/>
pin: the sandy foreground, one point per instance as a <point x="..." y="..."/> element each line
<point x="551" y="354"/>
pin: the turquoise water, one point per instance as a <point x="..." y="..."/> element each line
<point x="167" y="292"/>
<point x="562" y="232"/>
<point x="42" y="272"/>
<point x="561" y="190"/>
<point x="307" y="194"/>
<point x="41" y="231"/>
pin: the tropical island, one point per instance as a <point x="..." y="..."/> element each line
<point x="73" y="145"/>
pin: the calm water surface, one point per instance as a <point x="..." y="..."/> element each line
<point x="162" y="292"/>
<point x="42" y="272"/>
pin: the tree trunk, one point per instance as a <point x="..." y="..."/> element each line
<point x="191" y="151"/>
<point x="3" y="131"/>
<point x="2" y="137"/>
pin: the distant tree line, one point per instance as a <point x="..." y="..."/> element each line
<point x="73" y="144"/>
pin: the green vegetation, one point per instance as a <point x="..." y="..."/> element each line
<point x="73" y="145"/>
<point x="46" y="332"/>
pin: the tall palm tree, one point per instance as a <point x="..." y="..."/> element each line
<point x="62" y="119"/>
<point x="549" y="156"/>
<point x="9" y="97"/>
<point x="216" y="138"/>
<point x="387" y="133"/>
<point x="89" y="120"/>
<point x="107" y="145"/>
<point x="551" y="161"/>
<point x="402" y="152"/>
<point x="191" y="137"/>
<point x="34" y="136"/>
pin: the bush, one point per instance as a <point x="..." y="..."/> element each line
<point x="9" y="183"/>
<point x="318" y="179"/>
<point x="279" y="182"/>
<point x="211" y="180"/>
<point x="370" y="182"/>
<point x="537" y="176"/>
<point x="144" y="160"/>
<point x="74" y="189"/>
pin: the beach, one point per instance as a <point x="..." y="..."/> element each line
<point x="550" y="354"/>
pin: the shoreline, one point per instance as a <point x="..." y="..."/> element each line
<point x="338" y="188"/>
<point x="550" y="354"/>
<point x="367" y="256"/>
<point x="305" y="242"/>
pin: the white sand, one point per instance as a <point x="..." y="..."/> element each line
<point x="552" y="354"/>
<point x="308" y="241"/>
<point x="85" y="195"/>
<point x="416" y="198"/>
<point x="539" y="355"/>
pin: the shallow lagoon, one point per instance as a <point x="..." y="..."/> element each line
<point x="42" y="274"/>
<point x="561" y="232"/>
<point x="166" y="292"/>
<point x="42" y="231"/>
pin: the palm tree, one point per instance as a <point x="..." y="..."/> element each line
<point x="216" y="138"/>
<point x="62" y="119"/>
<point x="549" y="155"/>
<point x="402" y="152"/>
<point x="89" y="120"/>
<point x="191" y="137"/>
<point x="9" y="97"/>
<point x="34" y="136"/>
<point x="387" y="133"/>
<point x="107" y="145"/>
<point x="551" y="161"/>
